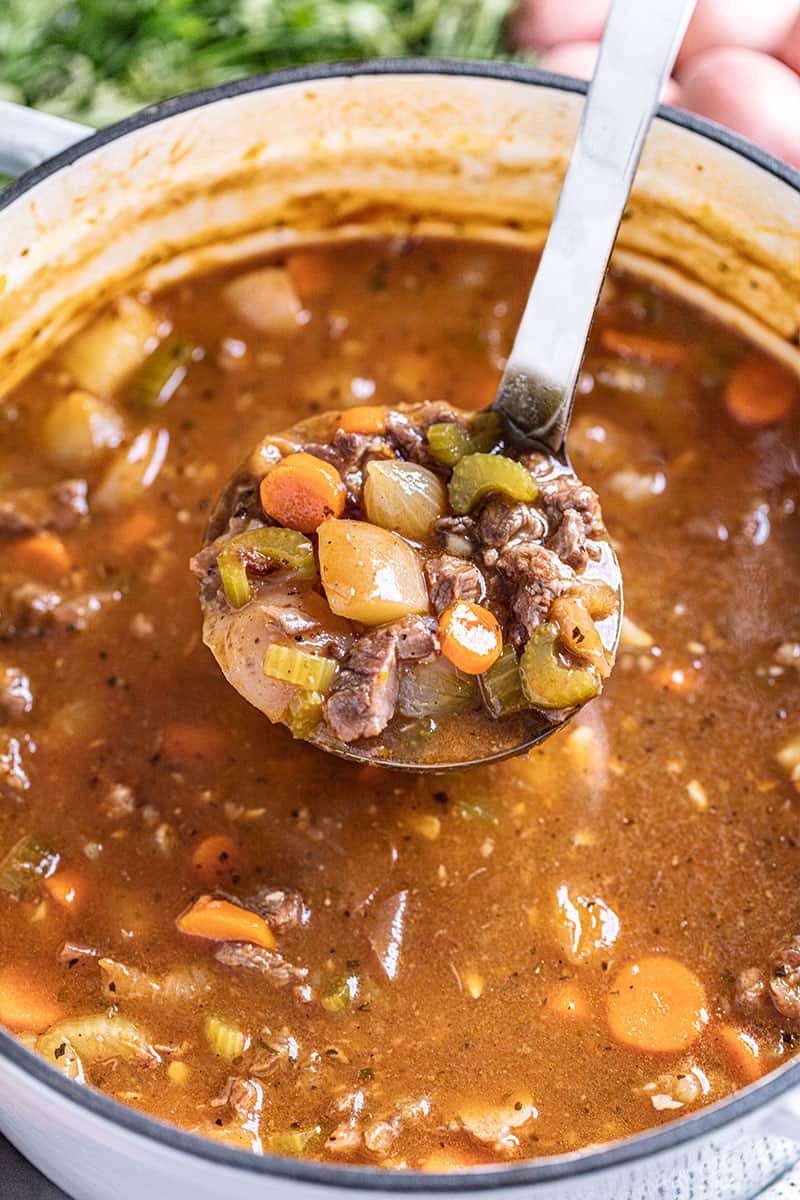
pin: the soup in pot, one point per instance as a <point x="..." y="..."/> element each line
<point x="211" y="921"/>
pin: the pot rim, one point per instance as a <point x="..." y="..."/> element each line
<point x="362" y="1178"/>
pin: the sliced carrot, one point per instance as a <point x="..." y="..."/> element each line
<point x="656" y="1004"/>
<point x="67" y="888"/>
<point x="742" y="1051"/>
<point x="567" y="1000"/>
<point x="760" y="392"/>
<point x="470" y="637"/>
<point x="363" y="418"/>
<point x="643" y="347"/>
<point x="185" y="741"/>
<point x="301" y="491"/>
<point x="44" y="554"/>
<point x="223" y="921"/>
<point x="23" y="1006"/>
<point x="217" y="858"/>
<point x="134" y="530"/>
<point x="311" y="273"/>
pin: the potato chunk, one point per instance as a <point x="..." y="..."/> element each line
<point x="369" y="574"/>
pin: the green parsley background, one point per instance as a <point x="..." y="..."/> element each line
<point x="96" y="60"/>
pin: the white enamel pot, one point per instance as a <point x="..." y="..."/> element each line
<point x="336" y="152"/>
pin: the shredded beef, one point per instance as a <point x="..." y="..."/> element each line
<point x="572" y="509"/>
<point x="13" y="774"/>
<point x="272" y="965"/>
<point x="16" y="698"/>
<point x="30" y="510"/>
<point x="350" y="453"/>
<point x="451" y="579"/>
<point x="535" y="577"/>
<point x="502" y="520"/>
<point x="364" y="695"/>
<point x="784" y="977"/>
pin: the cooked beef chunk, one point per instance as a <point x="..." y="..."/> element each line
<point x="31" y="610"/>
<point x="459" y="535"/>
<point x="30" y="510"/>
<point x="502" y="520"/>
<point x="750" y="989"/>
<point x="281" y="908"/>
<point x="16" y="699"/>
<point x="410" y="437"/>
<point x="349" y="453"/>
<point x="572" y="509"/>
<point x="272" y="965"/>
<point x="364" y="695"/>
<point x="415" y="637"/>
<point x="569" y="540"/>
<point x="450" y="579"/>
<point x="784" y="977"/>
<point x="535" y="576"/>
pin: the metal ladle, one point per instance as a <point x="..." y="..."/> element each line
<point x="537" y="390"/>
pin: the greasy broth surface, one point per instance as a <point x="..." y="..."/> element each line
<point x="664" y="799"/>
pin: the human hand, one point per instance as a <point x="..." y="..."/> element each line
<point x="739" y="63"/>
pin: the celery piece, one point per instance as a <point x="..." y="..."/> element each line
<point x="257" y="548"/>
<point x="294" y="1142"/>
<point x="547" y="682"/>
<point x="158" y="378"/>
<point x="448" y="442"/>
<point x="225" y="1040"/>
<point x="27" y="863"/>
<point x="478" y="475"/>
<point x="501" y="685"/>
<point x="308" y="671"/>
<point x="304" y="714"/>
<point x="341" y="995"/>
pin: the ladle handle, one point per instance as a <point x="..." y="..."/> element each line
<point x="639" y="46"/>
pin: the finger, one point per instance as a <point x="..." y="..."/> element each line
<point x="761" y="26"/>
<point x="580" y="58"/>
<point x="540" y="24"/>
<point x="751" y="93"/>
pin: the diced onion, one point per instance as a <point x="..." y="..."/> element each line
<point x="501" y="685"/>
<point x="435" y="689"/>
<point x="97" y="1038"/>
<point x="403" y="496"/>
<point x="579" y="633"/>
